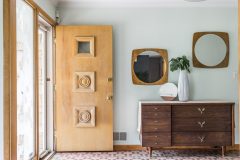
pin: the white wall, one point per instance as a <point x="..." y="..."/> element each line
<point x="168" y="28"/>
<point x="50" y="9"/>
<point x="1" y="79"/>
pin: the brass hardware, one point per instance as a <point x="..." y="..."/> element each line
<point x="109" y="97"/>
<point x="201" y="110"/>
<point x="156" y="108"/>
<point x="202" y="138"/>
<point x="155" y="121"/>
<point x="110" y="79"/>
<point x="201" y="124"/>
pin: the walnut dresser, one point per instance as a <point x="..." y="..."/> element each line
<point x="203" y="124"/>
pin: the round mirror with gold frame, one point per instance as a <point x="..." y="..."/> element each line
<point x="210" y="49"/>
<point x="149" y="66"/>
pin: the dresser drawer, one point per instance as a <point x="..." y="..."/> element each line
<point x="156" y="108"/>
<point x="161" y="124"/>
<point x="156" y="139"/>
<point x="201" y="138"/>
<point x="162" y="127"/>
<point x="218" y="124"/>
<point x="155" y="115"/>
<point x="202" y="110"/>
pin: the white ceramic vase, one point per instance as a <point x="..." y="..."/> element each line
<point x="183" y="86"/>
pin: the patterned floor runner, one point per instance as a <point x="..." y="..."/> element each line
<point x="143" y="155"/>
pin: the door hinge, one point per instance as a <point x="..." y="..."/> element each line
<point x="55" y="139"/>
<point x="54" y="87"/>
<point x="55" y="133"/>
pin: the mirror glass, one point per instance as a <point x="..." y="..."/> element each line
<point x="210" y="49"/>
<point x="148" y="66"/>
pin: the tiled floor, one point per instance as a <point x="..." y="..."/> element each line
<point x="143" y="155"/>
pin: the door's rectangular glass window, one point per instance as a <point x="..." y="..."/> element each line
<point x="85" y="46"/>
<point x="25" y="82"/>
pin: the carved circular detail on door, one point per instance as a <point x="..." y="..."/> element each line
<point x="84" y="116"/>
<point x="84" y="81"/>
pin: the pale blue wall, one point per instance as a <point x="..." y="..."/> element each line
<point x="169" y="28"/>
<point x="50" y="9"/>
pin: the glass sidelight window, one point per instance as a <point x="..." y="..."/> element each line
<point x="25" y="82"/>
<point x="45" y="88"/>
<point x="42" y="83"/>
<point x="34" y="84"/>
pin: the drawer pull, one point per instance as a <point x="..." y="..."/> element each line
<point x="156" y="136"/>
<point x="156" y="121"/>
<point x="155" y="114"/>
<point x="201" y="110"/>
<point x="155" y="108"/>
<point x="155" y="128"/>
<point x="202" y="138"/>
<point x="156" y="143"/>
<point x="201" y="124"/>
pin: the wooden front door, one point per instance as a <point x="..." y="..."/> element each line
<point x="84" y="119"/>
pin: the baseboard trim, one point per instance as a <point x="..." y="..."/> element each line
<point x="235" y="147"/>
<point x="127" y="147"/>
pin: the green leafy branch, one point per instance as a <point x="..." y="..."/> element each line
<point x="181" y="63"/>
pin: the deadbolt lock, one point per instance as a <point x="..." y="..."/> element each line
<point x="109" y="79"/>
<point x="109" y="97"/>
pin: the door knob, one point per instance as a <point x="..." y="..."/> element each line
<point x="109" y="97"/>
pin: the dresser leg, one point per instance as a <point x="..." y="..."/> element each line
<point x="223" y="150"/>
<point x="150" y="151"/>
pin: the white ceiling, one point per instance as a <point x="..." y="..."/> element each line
<point x="144" y="3"/>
